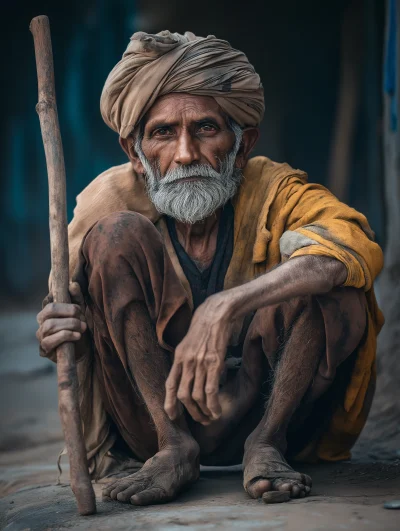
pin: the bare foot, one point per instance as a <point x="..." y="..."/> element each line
<point x="161" y="478"/>
<point x="265" y="469"/>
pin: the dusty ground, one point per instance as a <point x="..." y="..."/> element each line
<point x="345" y="496"/>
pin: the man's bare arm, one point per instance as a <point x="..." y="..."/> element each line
<point x="305" y="275"/>
<point x="199" y="358"/>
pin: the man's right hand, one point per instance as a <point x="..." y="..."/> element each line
<point x="61" y="322"/>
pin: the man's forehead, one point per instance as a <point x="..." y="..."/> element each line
<point x="177" y="107"/>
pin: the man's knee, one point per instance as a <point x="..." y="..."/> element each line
<point x="345" y="316"/>
<point x="341" y="312"/>
<point x="122" y="227"/>
<point x="339" y="317"/>
<point x="346" y="306"/>
<point x="272" y="322"/>
<point x="126" y="234"/>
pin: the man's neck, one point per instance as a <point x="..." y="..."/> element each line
<point x="200" y="239"/>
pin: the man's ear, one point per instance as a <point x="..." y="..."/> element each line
<point x="249" y="139"/>
<point x="128" y="145"/>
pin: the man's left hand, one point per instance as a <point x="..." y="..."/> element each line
<point x="199" y="362"/>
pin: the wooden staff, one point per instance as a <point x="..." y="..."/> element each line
<point x="68" y="401"/>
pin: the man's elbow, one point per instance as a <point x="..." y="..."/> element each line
<point x="335" y="273"/>
<point x="328" y="272"/>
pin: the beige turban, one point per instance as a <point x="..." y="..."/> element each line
<point x="155" y="65"/>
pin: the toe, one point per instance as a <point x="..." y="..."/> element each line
<point x="126" y="494"/>
<point x="258" y="487"/>
<point x="116" y="490"/>
<point x="307" y="489"/>
<point x="295" y="491"/>
<point x="281" y="485"/>
<point x="149" y="496"/>
<point x="107" y="489"/>
<point x="292" y="486"/>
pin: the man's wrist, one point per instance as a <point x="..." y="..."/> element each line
<point x="236" y="299"/>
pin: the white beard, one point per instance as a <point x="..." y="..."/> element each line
<point x="192" y="201"/>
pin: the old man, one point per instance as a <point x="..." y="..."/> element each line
<point x="223" y="308"/>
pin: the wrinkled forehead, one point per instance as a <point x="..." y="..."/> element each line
<point x="184" y="108"/>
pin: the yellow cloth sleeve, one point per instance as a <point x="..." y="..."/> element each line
<point x="338" y="230"/>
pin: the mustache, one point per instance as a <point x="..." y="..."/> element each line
<point x="193" y="170"/>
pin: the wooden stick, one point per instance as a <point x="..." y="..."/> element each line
<point x="68" y="400"/>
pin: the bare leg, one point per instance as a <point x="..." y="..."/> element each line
<point x="319" y="334"/>
<point x="176" y="463"/>
<point x="265" y="447"/>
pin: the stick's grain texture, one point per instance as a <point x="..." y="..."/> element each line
<point x="66" y="368"/>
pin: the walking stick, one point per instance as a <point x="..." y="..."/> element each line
<point x="68" y="402"/>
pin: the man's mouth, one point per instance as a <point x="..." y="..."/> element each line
<point x="193" y="178"/>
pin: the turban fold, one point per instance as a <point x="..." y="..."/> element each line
<point x="156" y="65"/>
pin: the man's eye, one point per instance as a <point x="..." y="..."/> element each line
<point x="162" y="131"/>
<point x="207" y="128"/>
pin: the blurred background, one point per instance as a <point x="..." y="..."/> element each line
<point x="329" y="71"/>
<point x="321" y="65"/>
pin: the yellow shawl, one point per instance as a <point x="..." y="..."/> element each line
<point x="278" y="216"/>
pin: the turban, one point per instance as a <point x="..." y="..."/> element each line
<point x="156" y="65"/>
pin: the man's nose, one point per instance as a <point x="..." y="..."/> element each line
<point x="187" y="150"/>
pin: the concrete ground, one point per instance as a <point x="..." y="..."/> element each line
<point x="347" y="495"/>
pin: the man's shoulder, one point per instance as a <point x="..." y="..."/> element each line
<point x="264" y="179"/>
<point x="118" y="188"/>
<point x="264" y="168"/>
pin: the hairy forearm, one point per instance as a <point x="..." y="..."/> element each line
<point x="305" y="275"/>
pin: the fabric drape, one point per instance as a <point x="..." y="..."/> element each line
<point x="155" y="65"/>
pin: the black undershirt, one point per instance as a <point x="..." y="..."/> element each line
<point x="211" y="280"/>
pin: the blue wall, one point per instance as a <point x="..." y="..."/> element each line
<point x="87" y="42"/>
<point x="295" y="47"/>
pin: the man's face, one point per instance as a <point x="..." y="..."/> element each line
<point x="187" y="152"/>
<point x="182" y="130"/>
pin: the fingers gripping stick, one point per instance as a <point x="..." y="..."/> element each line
<point x="66" y="368"/>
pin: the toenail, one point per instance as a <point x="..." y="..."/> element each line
<point x="275" y="497"/>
